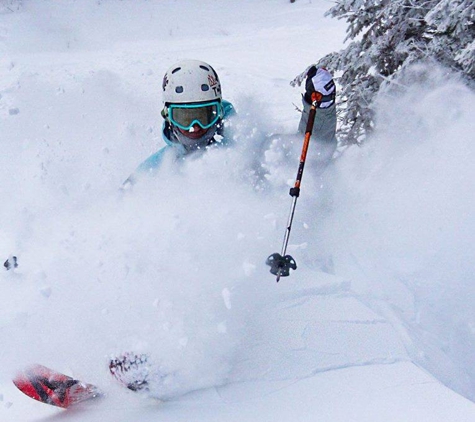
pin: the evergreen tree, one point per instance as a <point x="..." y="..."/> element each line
<point x="453" y="30"/>
<point x="387" y="37"/>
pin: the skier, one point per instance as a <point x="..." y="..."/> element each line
<point x="194" y="113"/>
<point x="319" y="80"/>
<point x="186" y="108"/>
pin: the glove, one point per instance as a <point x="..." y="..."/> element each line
<point x="319" y="87"/>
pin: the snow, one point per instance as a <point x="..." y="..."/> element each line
<point x="375" y="324"/>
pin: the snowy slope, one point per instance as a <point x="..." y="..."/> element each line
<point x="364" y="330"/>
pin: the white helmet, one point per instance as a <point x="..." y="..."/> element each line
<point x="191" y="81"/>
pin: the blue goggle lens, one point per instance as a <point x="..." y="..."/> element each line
<point x="185" y="116"/>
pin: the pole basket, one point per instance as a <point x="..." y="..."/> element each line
<point x="281" y="265"/>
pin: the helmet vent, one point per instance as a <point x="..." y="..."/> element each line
<point x="176" y="70"/>
<point x="204" y="68"/>
<point x="179" y="89"/>
<point x="205" y="87"/>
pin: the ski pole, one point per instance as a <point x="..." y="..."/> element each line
<point x="281" y="263"/>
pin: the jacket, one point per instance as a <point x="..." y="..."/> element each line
<point x="152" y="163"/>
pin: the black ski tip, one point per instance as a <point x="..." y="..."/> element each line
<point x="131" y="370"/>
<point x="11" y="262"/>
<point x="281" y="265"/>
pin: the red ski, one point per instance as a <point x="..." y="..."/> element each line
<point x="51" y="387"/>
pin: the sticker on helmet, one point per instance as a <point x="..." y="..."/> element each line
<point x="214" y="84"/>
<point x="165" y="82"/>
<point x="212" y="81"/>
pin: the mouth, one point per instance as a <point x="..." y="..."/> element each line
<point x="195" y="132"/>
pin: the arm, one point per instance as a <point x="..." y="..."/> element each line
<point x="146" y="167"/>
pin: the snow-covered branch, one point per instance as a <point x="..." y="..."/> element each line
<point x="387" y="37"/>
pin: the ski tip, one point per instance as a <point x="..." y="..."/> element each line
<point x="131" y="370"/>
<point x="54" y="388"/>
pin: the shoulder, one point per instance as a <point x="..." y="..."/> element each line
<point x="228" y="109"/>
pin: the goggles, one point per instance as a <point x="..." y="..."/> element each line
<point x="185" y="116"/>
